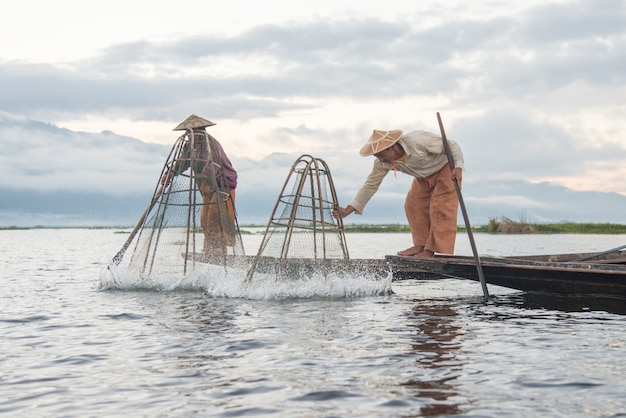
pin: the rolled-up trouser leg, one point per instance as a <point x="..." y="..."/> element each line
<point x="217" y="219"/>
<point x="417" y="209"/>
<point x="431" y="208"/>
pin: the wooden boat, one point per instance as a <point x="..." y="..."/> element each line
<point x="600" y="274"/>
<point x="577" y="274"/>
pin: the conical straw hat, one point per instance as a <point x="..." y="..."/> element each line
<point x="193" y="122"/>
<point x="379" y="141"/>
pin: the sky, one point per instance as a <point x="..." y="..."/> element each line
<point x="531" y="90"/>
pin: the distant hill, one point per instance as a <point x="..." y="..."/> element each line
<point x="519" y="201"/>
<point x="56" y="177"/>
<point x="542" y="203"/>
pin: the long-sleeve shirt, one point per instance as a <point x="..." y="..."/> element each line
<point x="424" y="156"/>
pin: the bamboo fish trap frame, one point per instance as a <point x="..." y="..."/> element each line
<point x="190" y="223"/>
<point x="302" y="237"/>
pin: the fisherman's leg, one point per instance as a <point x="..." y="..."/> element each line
<point x="210" y="221"/>
<point x="416" y="208"/>
<point x="443" y="213"/>
<point x="218" y="228"/>
<point x="206" y="193"/>
<point x="231" y="205"/>
<point x="231" y="231"/>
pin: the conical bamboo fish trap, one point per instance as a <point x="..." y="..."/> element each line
<point x="182" y="232"/>
<point x="302" y="237"/>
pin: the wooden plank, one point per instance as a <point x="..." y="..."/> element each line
<point x="618" y="257"/>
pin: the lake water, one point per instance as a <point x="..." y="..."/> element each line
<point x="425" y="348"/>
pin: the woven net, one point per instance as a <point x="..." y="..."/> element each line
<point x="190" y="225"/>
<point x="302" y="236"/>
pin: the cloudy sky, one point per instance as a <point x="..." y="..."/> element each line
<point x="532" y="90"/>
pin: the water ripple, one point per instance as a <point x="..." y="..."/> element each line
<point x="28" y="319"/>
<point x="325" y="395"/>
<point x="425" y="348"/>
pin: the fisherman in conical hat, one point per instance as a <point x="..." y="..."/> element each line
<point x="216" y="179"/>
<point x="431" y="204"/>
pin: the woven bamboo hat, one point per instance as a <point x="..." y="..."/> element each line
<point x="193" y="122"/>
<point x="379" y="141"/>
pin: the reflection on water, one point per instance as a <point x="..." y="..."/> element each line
<point x="564" y="303"/>
<point x="436" y="341"/>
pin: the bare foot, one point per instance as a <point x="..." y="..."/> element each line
<point x="416" y="249"/>
<point x="425" y="254"/>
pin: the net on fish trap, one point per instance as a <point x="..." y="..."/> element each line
<point x="302" y="237"/>
<point x="190" y="223"/>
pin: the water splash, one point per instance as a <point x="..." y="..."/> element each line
<point x="233" y="283"/>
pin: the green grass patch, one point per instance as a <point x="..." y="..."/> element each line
<point x="504" y="225"/>
<point x="376" y="228"/>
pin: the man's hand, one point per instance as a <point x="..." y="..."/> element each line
<point x="457" y="174"/>
<point x="339" y="212"/>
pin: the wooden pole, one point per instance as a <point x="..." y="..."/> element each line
<point x="479" y="266"/>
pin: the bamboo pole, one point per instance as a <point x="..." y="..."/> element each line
<point x="470" y="235"/>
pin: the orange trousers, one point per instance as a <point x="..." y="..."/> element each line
<point x="431" y="207"/>
<point x="217" y="220"/>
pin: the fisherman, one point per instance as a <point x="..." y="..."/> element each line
<point x="216" y="180"/>
<point x="431" y="203"/>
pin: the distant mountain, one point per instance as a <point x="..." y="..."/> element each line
<point x="517" y="200"/>
<point x="520" y="201"/>
<point x="69" y="209"/>
<point x="542" y="203"/>
<point x="56" y="177"/>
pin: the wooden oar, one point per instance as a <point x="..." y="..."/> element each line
<point x="465" y="217"/>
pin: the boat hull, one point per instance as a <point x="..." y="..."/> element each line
<point x="531" y="275"/>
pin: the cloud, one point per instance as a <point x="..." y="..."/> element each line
<point x="57" y="177"/>
<point x="507" y="144"/>
<point x="522" y="55"/>
<point x="42" y="157"/>
<point x="534" y="93"/>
